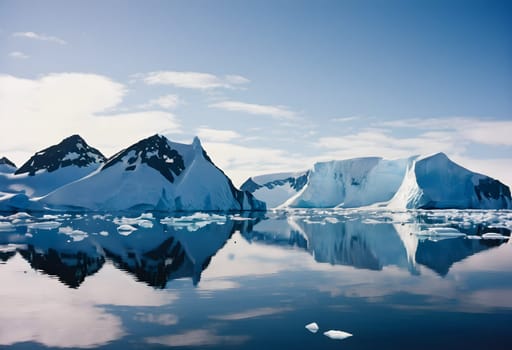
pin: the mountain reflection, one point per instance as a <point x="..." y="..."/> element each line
<point x="153" y="252"/>
<point x="371" y="244"/>
<point x="157" y="249"/>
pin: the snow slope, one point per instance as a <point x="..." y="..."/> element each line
<point x="350" y="183"/>
<point x="155" y="173"/>
<point x="53" y="167"/>
<point x="436" y="182"/>
<point x="275" y="189"/>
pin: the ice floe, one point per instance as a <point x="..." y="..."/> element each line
<point x="338" y="335"/>
<point x="312" y="327"/>
<point x="493" y="235"/>
<point x="125" y="229"/>
<point x="45" y="225"/>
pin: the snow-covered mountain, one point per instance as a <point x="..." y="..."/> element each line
<point x="275" y="189"/>
<point x="350" y="183"/>
<point x="421" y="182"/>
<point x="436" y="182"/>
<point x="53" y="167"/>
<point x="6" y="166"/>
<point x="155" y="173"/>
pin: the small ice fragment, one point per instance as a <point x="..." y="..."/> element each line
<point x="145" y="223"/>
<point x="312" y="327"/>
<point x="493" y="235"/>
<point x="339" y="335"/>
<point x="125" y="230"/>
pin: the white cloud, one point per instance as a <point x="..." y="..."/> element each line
<point x="167" y="101"/>
<point x="237" y="79"/>
<point x="36" y="113"/>
<point x="240" y="162"/>
<point x="18" y="55"/>
<point x="483" y="131"/>
<point x="39" y="36"/>
<point x="193" y="80"/>
<point x="129" y="128"/>
<point x="251" y="108"/>
<point x="488" y="132"/>
<point x="377" y="142"/>
<point x="216" y="135"/>
<point x="345" y="119"/>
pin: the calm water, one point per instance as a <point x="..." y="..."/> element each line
<point x="150" y="281"/>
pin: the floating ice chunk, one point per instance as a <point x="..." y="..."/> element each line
<point x="312" y="327"/>
<point x="6" y="226"/>
<point x="147" y="216"/>
<point x="439" y="233"/>
<point x="145" y="223"/>
<point x="45" y="225"/>
<point x="331" y="220"/>
<point x="473" y="237"/>
<point x="338" y="335"/>
<point x="195" y="221"/>
<point x="20" y="215"/>
<point x="493" y="235"/>
<point x="103" y="233"/>
<point x="126" y="230"/>
<point x="76" y="235"/>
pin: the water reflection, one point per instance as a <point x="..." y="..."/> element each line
<point x="372" y="244"/>
<point x="137" y="280"/>
<point x="153" y="249"/>
<point x="157" y="249"/>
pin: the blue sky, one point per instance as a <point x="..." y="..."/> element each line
<point x="267" y="85"/>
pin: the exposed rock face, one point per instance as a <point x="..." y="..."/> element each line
<point x="70" y="151"/>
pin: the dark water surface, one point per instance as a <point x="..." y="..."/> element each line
<point x="416" y="280"/>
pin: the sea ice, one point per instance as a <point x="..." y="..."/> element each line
<point x="125" y="229"/>
<point x="45" y="225"/>
<point x="493" y="235"/>
<point x="338" y="335"/>
<point x="312" y="327"/>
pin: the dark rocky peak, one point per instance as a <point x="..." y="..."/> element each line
<point x="72" y="150"/>
<point x="156" y="152"/>
<point x="250" y="186"/>
<point x="6" y="161"/>
<point x="296" y="182"/>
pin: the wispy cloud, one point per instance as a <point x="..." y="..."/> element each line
<point x="237" y="79"/>
<point x="167" y="101"/>
<point x="18" y="55"/>
<point x="72" y="103"/>
<point x="193" y="80"/>
<point x="240" y="162"/>
<point x="40" y="36"/>
<point x="381" y="142"/>
<point x="483" y="131"/>
<point x="217" y="135"/>
<point x="279" y="112"/>
<point x="345" y="119"/>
